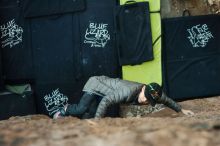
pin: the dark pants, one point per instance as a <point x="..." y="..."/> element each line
<point x="86" y="108"/>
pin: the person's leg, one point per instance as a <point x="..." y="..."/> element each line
<point x="90" y="113"/>
<point x="80" y="108"/>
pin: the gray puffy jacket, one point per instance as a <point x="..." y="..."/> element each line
<point x="116" y="91"/>
<point x="113" y="91"/>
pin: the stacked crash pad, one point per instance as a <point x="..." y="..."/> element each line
<point x="191" y="56"/>
<point x="150" y="71"/>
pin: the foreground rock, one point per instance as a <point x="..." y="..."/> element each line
<point x="175" y="8"/>
<point x="164" y="128"/>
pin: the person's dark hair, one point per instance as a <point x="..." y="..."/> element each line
<point x="150" y="89"/>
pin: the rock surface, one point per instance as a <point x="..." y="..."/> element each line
<point x="139" y="111"/>
<point x="175" y="8"/>
<point x="164" y="127"/>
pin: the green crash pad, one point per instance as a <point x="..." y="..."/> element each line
<point x="150" y="71"/>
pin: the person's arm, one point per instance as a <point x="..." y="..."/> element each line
<point x="102" y="107"/>
<point x="106" y="102"/>
<point x="164" y="99"/>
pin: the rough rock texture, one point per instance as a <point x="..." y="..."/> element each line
<point x="138" y="111"/>
<point x="175" y="8"/>
<point x="164" y="128"/>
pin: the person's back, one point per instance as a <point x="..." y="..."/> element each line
<point x="105" y="86"/>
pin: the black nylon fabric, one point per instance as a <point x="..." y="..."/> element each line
<point x="134" y="33"/>
<point x="53" y="48"/>
<point x="16" y="54"/>
<point x="55" y="43"/>
<point x="51" y="96"/>
<point x="191" y="56"/>
<point x="97" y="40"/>
<point x="9" y="3"/>
<point x="61" y="58"/>
<point x="16" y="105"/>
<point x="98" y="52"/>
<point x="36" y="8"/>
<point x="1" y="76"/>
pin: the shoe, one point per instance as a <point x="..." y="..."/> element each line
<point x="60" y="113"/>
<point x="57" y="115"/>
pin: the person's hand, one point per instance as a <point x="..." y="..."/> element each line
<point x="187" y="112"/>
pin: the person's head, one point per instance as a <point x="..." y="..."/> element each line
<point x="150" y="93"/>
